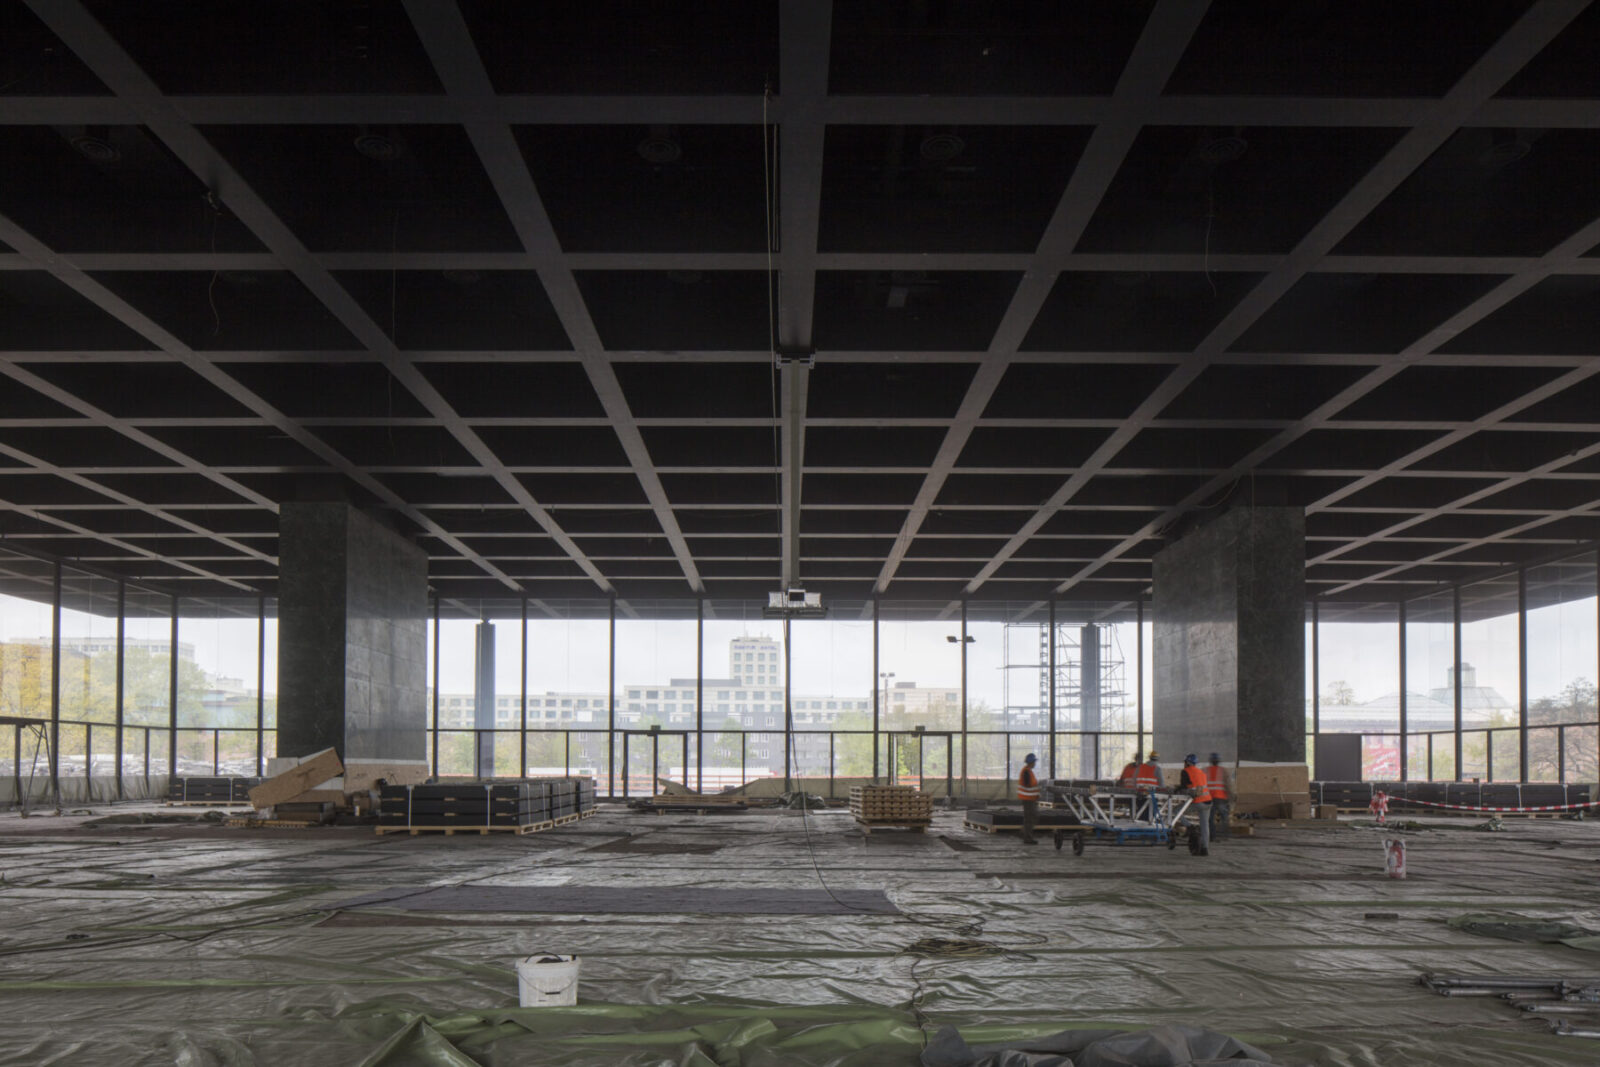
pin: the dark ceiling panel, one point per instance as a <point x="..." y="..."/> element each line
<point x="459" y="309"/>
<point x="1544" y="494"/>
<point x="397" y="446"/>
<point x="1074" y="390"/>
<point x="379" y="188"/>
<point x="1488" y="192"/>
<point x="1189" y="448"/>
<point x="515" y="390"/>
<point x="17" y="401"/>
<point x="86" y="446"/>
<point x="658" y="188"/>
<point x="1218" y="190"/>
<point x="118" y="521"/>
<point x="1449" y="394"/>
<point x="853" y="521"/>
<point x="1413" y="492"/>
<point x="944" y="188"/>
<point x="35" y="490"/>
<point x="39" y="312"/>
<point x="858" y="446"/>
<point x="607" y="520"/>
<point x="129" y="193"/>
<point x="678" y="310"/>
<point x="587" y="488"/>
<point x="555" y="446"/>
<point x="424" y="488"/>
<point x="721" y="488"/>
<point x="1030" y="446"/>
<point x="1378" y="313"/>
<point x="617" y="547"/>
<point x="951" y="520"/>
<point x="911" y="310"/>
<point x="169" y="489"/>
<point x="698" y="390"/>
<point x="1257" y="391"/>
<point x="1160" y="490"/>
<point x="888" y="390"/>
<point x="1349" y="449"/>
<point x="1352" y="48"/>
<point x="35" y="62"/>
<point x="973" y="48"/>
<point x="1129" y="311"/>
<point x="142" y="390"/>
<point x="1566" y="68"/>
<point x="713" y="446"/>
<point x="1558" y="316"/>
<point x="1576" y="403"/>
<point x="859" y="488"/>
<point x="753" y="520"/>
<point x="271" y="48"/>
<point x="231" y="309"/>
<point x="618" y="46"/>
<point x="1030" y="490"/>
<point x="1086" y="521"/>
<point x="328" y="390"/>
<point x="1492" y="450"/>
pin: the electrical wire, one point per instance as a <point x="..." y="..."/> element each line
<point x="767" y="143"/>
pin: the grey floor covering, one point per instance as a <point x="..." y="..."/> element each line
<point x="634" y="900"/>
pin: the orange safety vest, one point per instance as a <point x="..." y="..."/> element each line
<point x="1194" y="779"/>
<point x="1027" y="784"/>
<point x="1149" y="776"/>
<point x="1128" y="774"/>
<point x="1217" y="781"/>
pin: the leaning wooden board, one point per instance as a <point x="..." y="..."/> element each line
<point x="297" y="779"/>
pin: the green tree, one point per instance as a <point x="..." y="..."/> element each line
<point x="24" y="681"/>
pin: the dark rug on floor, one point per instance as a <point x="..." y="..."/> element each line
<point x="612" y="900"/>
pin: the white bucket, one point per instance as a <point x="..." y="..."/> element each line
<point x="546" y="980"/>
<point x="1394" y="858"/>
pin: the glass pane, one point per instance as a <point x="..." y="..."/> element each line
<point x="852" y="755"/>
<point x="1561" y="650"/>
<point x="547" y="753"/>
<point x="1359" y="668"/>
<point x="27" y="590"/>
<point x="920" y="656"/>
<point x="1474" y="755"/>
<point x="269" y="664"/>
<point x="236" y="753"/>
<point x="1380" y="757"/>
<point x="986" y="754"/>
<point x="147" y="659"/>
<point x="132" y="753"/>
<point x="724" y="752"/>
<point x="70" y="757"/>
<point x="456" y="753"/>
<point x="219" y="644"/>
<point x="1430" y="668"/>
<point x="458" y="627"/>
<point x="1489" y="675"/>
<point x="832" y="670"/>
<point x="1115" y="751"/>
<point x="196" y="752"/>
<point x="88" y="647"/>
<point x="1507" y="763"/>
<point x="1417" y="757"/>
<point x="569" y="679"/>
<point x="1582" y="747"/>
<point x="269" y="746"/>
<point x="160" y="741"/>
<point x="744" y="683"/>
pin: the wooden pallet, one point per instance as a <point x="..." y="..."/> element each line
<point x="591" y="813"/>
<point x="694" y="800"/>
<point x="271" y="824"/>
<point x="914" y="825"/>
<point x="450" y="831"/>
<point x="206" y="804"/>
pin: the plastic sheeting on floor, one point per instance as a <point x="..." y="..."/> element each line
<point x="147" y="944"/>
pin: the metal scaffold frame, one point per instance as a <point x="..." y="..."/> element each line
<point x="1102" y="705"/>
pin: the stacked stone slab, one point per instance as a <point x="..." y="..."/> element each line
<point x="471" y="802"/>
<point x="210" y="790"/>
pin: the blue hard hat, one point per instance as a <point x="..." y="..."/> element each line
<point x="1030" y="758"/>
<point x="1191" y="758"/>
<point x="1216" y="758"/>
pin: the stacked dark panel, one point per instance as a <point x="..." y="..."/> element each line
<point x="1460" y="794"/>
<point x="474" y="802"/>
<point x="211" y="790"/>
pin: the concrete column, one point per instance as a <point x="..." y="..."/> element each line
<point x="1229" y="614"/>
<point x="1089" y="687"/>
<point x="483" y="699"/>
<point x="352" y="635"/>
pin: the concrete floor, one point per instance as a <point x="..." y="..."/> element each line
<point x="192" y="943"/>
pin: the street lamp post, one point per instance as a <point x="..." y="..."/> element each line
<point x="964" y="640"/>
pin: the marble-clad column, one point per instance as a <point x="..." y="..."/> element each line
<point x="352" y="635"/>
<point x="1229" y="620"/>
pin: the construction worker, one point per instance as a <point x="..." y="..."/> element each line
<point x="1028" y="793"/>
<point x="1220" y="783"/>
<point x="1131" y="771"/>
<point x="1194" y="783"/>
<point x="1146" y="780"/>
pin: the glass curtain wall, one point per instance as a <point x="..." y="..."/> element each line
<point x="219" y="678"/>
<point x="656" y="676"/>
<point x="1358" y="669"/>
<point x="146" y="682"/>
<point x="742" y="660"/>
<point x="86" y="744"/>
<point x="830" y="671"/>
<point x="1430" y="687"/>
<point x="920" y="690"/>
<point x="1489" y="677"/>
<point x="269" y="679"/>
<point x="1562" y="665"/>
<point x="569" y="689"/>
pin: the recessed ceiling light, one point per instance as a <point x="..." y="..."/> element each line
<point x="377" y="146"/>
<point x="1224" y="149"/>
<point x="941" y="147"/>
<point x="659" y="148"/>
<point x="96" y="149"/>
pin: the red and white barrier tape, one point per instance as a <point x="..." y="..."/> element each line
<point x="1470" y="807"/>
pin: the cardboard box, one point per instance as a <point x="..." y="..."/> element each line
<point x="1327" y="811"/>
<point x="309" y="774"/>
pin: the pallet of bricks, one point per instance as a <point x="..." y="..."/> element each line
<point x="879" y="806"/>
<point x="478" y="806"/>
<point x="214" y="790"/>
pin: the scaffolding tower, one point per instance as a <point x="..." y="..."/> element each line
<point x="1090" y="683"/>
